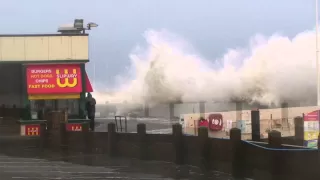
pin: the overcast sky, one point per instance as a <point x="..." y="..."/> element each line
<point x="212" y="26"/>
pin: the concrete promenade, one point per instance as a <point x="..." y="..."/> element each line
<point x="43" y="169"/>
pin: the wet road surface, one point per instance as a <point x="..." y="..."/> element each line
<point x="44" y="169"/>
<point x="26" y="163"/>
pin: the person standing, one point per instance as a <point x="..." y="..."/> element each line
<point x="91" y="110"/>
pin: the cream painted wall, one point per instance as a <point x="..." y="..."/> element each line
<point x="264" y="113"/>
<point x="42" y="48"/>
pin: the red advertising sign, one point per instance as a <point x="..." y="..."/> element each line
<point x="312" y="116"/>
<point x="32" y="130"/>
<point x="54" y="79"/>
<point x="74" y="127"/>
<point x="214" y="122"/>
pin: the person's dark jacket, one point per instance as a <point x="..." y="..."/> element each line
<point x="91" y="107"/>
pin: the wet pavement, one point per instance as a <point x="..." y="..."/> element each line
<point x="38" y="168"/>
<point x="29" y="163"/>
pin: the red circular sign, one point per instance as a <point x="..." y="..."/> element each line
<point x="215" y="122"/>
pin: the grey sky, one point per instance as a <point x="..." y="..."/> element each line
<point x="212" y="26"/>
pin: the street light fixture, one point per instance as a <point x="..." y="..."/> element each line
<point x="91" y="24"/>
<point x="77" y="28"/>
<point x="78" y="23"/>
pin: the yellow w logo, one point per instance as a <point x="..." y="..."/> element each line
<point x="66" y="80"/>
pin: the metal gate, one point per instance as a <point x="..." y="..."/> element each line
<point x="120" y="121"/>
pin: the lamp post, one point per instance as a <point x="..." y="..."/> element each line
<point x="94" y="75"/>
<point x="317" y="66"/>
<point x="78" y="24"/>
<point x="317" y="54"/>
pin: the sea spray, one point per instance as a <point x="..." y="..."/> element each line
<point x="269" y="70"/>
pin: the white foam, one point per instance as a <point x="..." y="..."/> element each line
<point x="268" y="70"/>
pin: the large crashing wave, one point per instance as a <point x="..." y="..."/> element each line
<point x="268" y="71"/>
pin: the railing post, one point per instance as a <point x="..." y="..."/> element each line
<point x="111" y="139"/>
<point x="178" y="143"/>
<point x="237" y="153"/>
<point x="142" y="134"/>
<point x="298" y="131"/>
<point x="54" y="132"/>
<point x="276" y="159"/>
<point x="274" y="139"/>
<point x="319" y="142"/>
<point x="205" y="146"/>
<point x="255" y="125"/>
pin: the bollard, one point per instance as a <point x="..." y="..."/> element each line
<point x="238" y="156"/>
<point x="274" y="139"/>
<point x="205" y="146"/>
<point x="319" y="142"/>
<point x="178" y="143"/>
<point x="112" y="139"/>
<point x="255" y="125"/>
<point x="142" y="134"/>
<point x="54" y="138"/>
<point x="276" y="158"/>
<point x="299" y="131"/>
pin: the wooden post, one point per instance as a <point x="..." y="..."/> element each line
<point x="178" y="143"/>
<point x="142" y="134"/>
<point x="274" y="139"/>
<point x="205" y="146"/>
<point x="82" y="100"/>
<point x="54" y="134"/>
<point x="319" y="142"/>
<point x="112" y="139"/>
<point x="276" y="159"/>
<point x="255" y="125"/>
<point x="299" y="131"/>
<point x="237" y="153"/>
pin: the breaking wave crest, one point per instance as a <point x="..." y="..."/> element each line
<point x="269" y="70"/>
